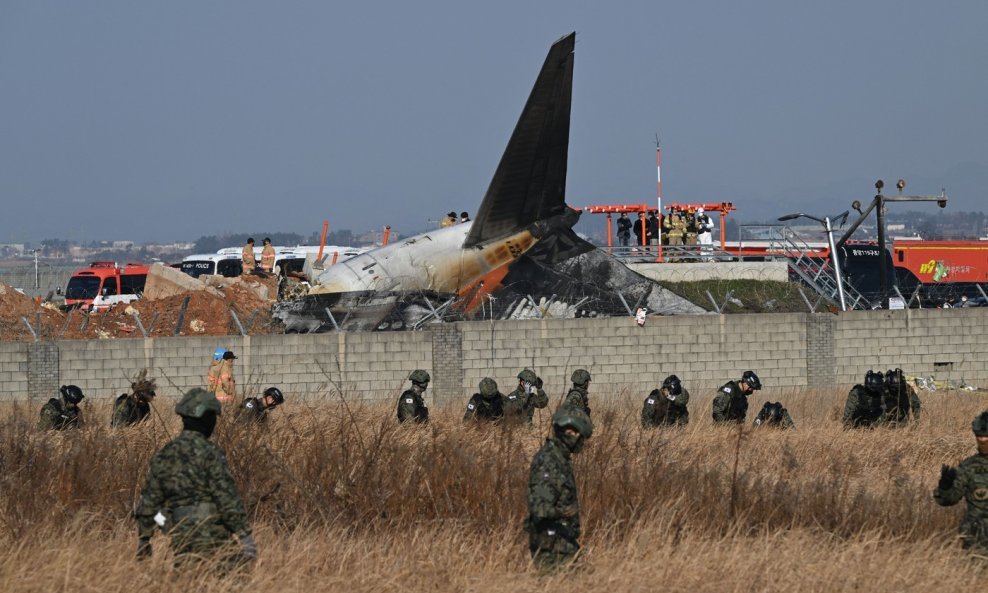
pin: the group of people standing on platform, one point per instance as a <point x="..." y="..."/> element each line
<point x="680" y="227"/>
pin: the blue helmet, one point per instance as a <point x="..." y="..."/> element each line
<point x="218" y="353"/>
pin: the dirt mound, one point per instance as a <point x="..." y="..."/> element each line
<point x="207" y="314"/>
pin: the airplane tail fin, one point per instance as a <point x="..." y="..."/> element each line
<point x="530" y="181"/>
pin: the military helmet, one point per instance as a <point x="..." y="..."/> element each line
<point x="71" y="393"/>
<point x="419" y="376"/>
<point x="580" y="377"/>
<point x="980" y="424"/>
<point x="673" y="384"/>
<point x="218" y="353"/>
<point x="575" y="418"/>
<point x="488" y="387"/>
<point x="774" y="411"/>
<point x="528" y="376"/>
<point x="274" y="392"/>
<point x="196" y="402"/>
<point x="752" y="380"/>
<point x="874" y="380"/>
<point x="894" y="379"/>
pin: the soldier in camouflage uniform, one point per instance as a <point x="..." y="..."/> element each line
<point x="731" y="401"/>
<point x="774" y="414"/>
<point x="864" y="402"/>
<point x="63" y="412"/>
<point x="189" y="493"/>
<point x="411" y="406"/>
<point x="970" y="482"/>
<point x="898" y="399"/>
<point x="255" y="410"/>
<point x="134" y="407"/>
<point x="666" y="405"/>
<point x="553" y="522"/>
<point x="487" y="405"/>
<point x="520" y="404"/>
<point x="578" y="396"/>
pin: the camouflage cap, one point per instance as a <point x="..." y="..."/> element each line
<point x="488" y="387"/>
<point x="528" y="376"/>
<point x="980" y="424"/>
<point x="575" y="418"/>
<point x="196" y="402"/>
<point x="580" y="377"/>
<point x="419" y="376"/>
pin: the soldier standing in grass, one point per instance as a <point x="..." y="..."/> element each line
<point x="134" y="407"/>
<point x="255" y="410"/>
<point x="63" y="412"/>
<point x="666" y="405"/>
<point x="578" y="396"/>
<point x="520" y="404"/>
<point x="190" y="495"/>
<point x="487" y="405"/>
<point x="411" y="406"/>
<point x="969" y="481"/>
<point x="864" y="402"/>
<point x="899" y="398"/>
<point x="775" y="415"/>
<point x="731" y="401"/>
<point x="553" y="522"/>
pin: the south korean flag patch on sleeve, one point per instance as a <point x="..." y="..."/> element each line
<point x="727" y="389"/>
<point x="650" y="401"/>
<point x="409" y="400"/>
<point x="471" y="406"/>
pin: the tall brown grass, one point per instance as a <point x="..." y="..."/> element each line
<point x="343" y="498"/>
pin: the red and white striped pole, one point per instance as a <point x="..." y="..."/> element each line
<point x="658" y="189"/>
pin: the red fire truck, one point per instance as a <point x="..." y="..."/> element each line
<point x="105" y="283"/>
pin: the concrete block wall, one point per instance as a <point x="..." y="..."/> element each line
<point x="789" y="351"/>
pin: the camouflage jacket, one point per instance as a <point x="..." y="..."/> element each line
<point x="252" y="411"/>
<point x="483" y="408"/>
<point x="190" y="485"/>
<point x="659" y="410"/>
<point x="764" y="418"/>
<point x="127" y="412"/>
<point x="862" y="407"/>
<point x="730" y="405"/>
<point x="412" y="406"/>
<point x="553" y="505"/>
<point x="972" y="485"/>
<point x="519" y="405"/>
<point x="58" y="415"/>
<point x="897" y="404"/>
<point x="579" y="398"/>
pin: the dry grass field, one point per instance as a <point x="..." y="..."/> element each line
<point x="344" y="499"/>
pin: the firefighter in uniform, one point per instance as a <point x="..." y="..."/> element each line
<point x="267" y="256"/>
<point x="226" y="384"/>
<point x="247" y="259"/>
<point x="213" y="374"/>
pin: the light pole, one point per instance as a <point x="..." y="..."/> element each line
<point x="834" y="260"/>
<point x="37" y="277"/>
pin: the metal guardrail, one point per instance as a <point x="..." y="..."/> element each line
<point x="670" y="253"/>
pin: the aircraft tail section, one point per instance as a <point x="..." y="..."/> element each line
<point x="530" y="181"/>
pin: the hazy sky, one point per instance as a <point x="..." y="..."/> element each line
<point x="170" y="120"/>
